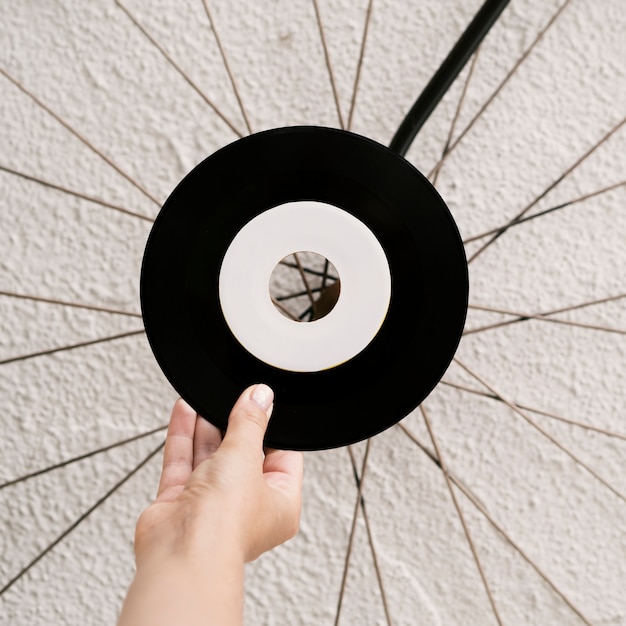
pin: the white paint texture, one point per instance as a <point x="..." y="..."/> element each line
<point x="90" y="64"/>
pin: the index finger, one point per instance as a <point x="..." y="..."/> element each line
<point x="284" y="469"/>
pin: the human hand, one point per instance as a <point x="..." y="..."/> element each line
<point x="220" y="502"/>
<point x="229" y="485"/>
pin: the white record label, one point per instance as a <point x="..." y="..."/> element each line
<point x="275" y="234"/>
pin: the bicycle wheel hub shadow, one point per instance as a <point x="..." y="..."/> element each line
<point x="399" y="284"/>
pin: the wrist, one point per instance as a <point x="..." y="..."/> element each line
<point x="192" y="588"/>
<point x="189" y="536"/>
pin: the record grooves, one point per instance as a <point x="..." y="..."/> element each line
<point x="425" y="310"/>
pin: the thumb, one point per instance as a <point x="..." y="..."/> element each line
<point x="248" y="420"/>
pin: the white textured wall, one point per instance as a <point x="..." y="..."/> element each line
<point x="89" y="64"/>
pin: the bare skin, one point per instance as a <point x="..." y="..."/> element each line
<point x="220" y="504"/>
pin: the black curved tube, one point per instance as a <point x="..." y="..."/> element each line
<point x="445" y="75"/>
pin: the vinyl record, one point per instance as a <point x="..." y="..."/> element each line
<point x="401" y="310"/>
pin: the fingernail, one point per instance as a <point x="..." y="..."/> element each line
<point x="263" y="396"/>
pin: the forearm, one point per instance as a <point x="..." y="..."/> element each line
<point x="186" y="592"/>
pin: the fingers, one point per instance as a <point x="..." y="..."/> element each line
<point x="207" y="439"/>
<point x="248" y="420"/>
<point x="178" y="454"/>
<point x="287" y="463"/>
<point x="283" y="470"/>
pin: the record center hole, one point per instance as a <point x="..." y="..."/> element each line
<point x="304" y="286"/>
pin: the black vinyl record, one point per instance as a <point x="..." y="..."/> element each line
<point x="371" y="391"/>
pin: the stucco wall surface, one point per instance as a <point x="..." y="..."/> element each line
<point x="89" y="65"/>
